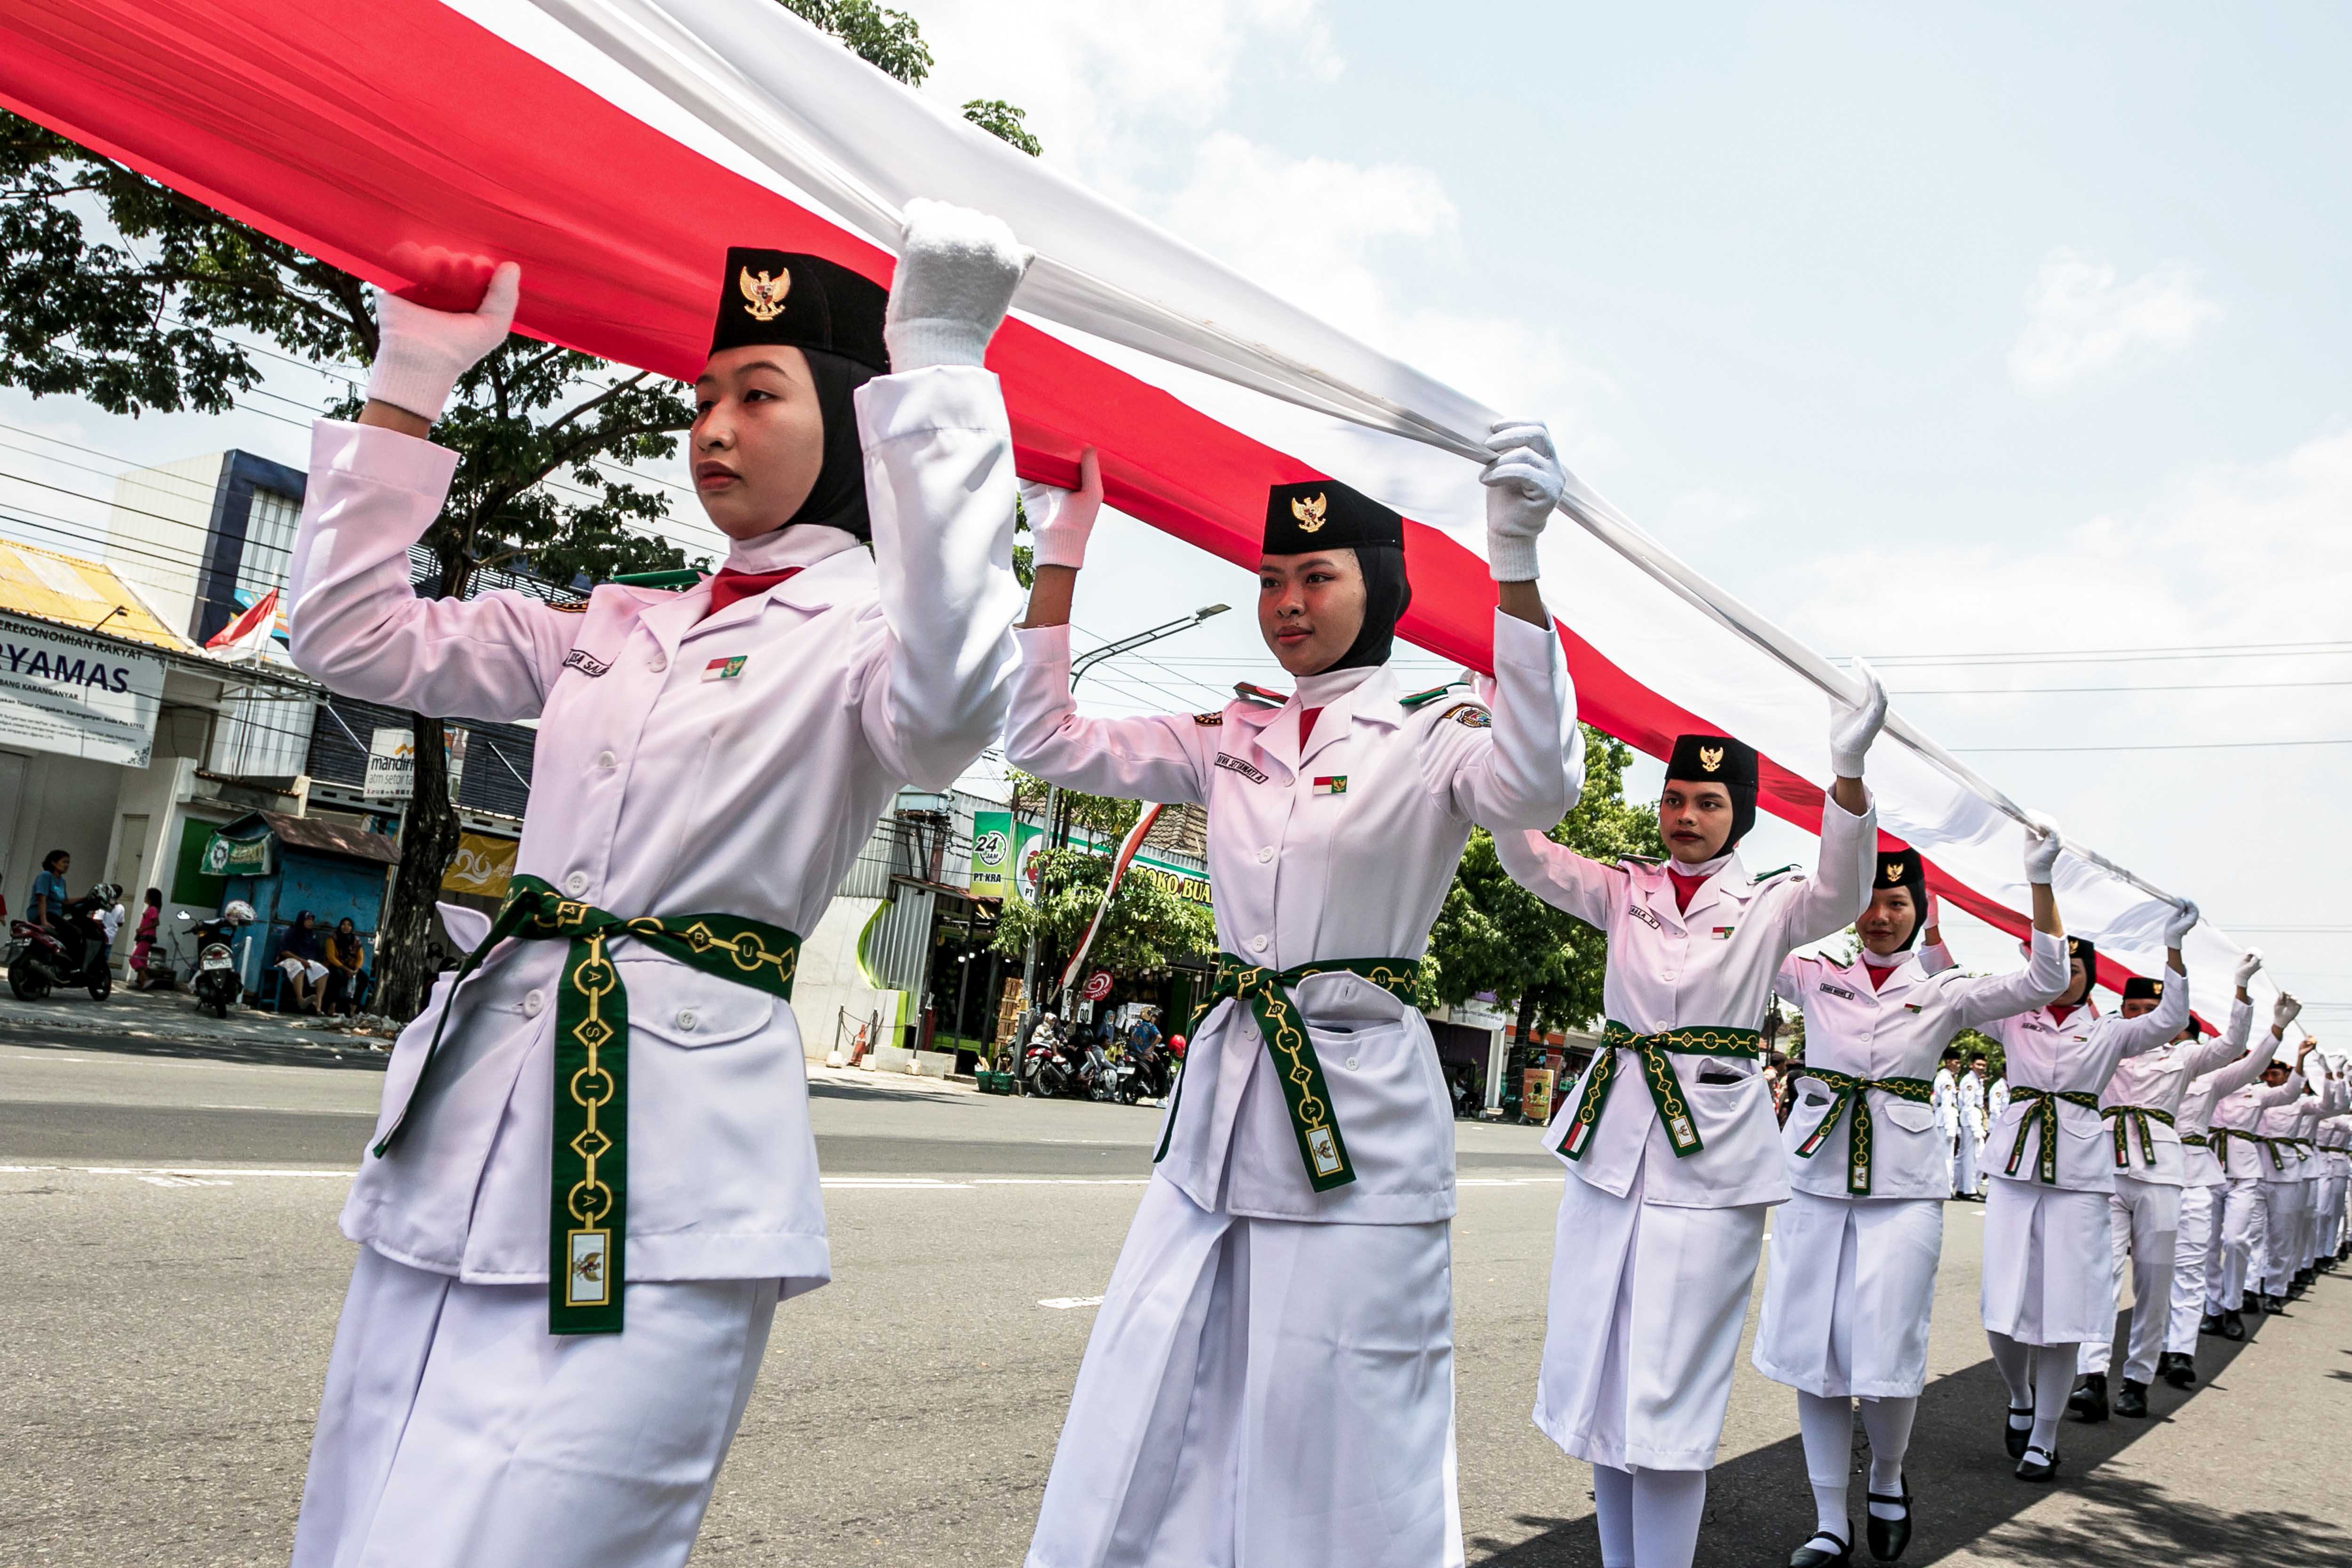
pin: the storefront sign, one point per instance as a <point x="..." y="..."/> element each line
<point x="483" y="865"/>
<point x="240" y="856"/>
<point x="991" y="853"/>
<point x="391" y="763"/>
<point x="1097" y="986"/>
<point x="1535" y="1094"/>
<point x="76" y="696"/>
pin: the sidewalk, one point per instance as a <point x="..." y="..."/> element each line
<point x="173" y="1016"/>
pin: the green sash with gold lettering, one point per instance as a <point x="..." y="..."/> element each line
<point x="588" y="1195"/>
<point x="1847" y="1089"/>
<point x="2042" y="1113"/>
<point x="1666" y="1089"/>
<point x="2135" y="1118"/>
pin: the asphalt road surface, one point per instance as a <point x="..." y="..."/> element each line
<point x="173" y="1275"/>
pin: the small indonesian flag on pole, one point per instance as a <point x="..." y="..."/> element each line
<point x="251" y="632"/>
<point x="1126" y="848"/>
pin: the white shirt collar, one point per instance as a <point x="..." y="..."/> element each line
<point x="804" y="545"/>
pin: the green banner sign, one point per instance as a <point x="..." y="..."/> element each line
<point x="240" y="856"/>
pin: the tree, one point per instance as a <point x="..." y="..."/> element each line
<point x="1148" y="927"/>
<point x="122" y="289"/>
<point x="1495" y="937"/>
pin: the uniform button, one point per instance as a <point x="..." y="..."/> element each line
<point x="1667" y="975"/>
<point x="606" y="760"/>
<point x="1257" y="944"/>
<point x="659" y="662"/>
<point x="576" y="884"/>
<point x="686" y="1019"/>
<point x="1351" y="1062"/>
<point x="532" y="1002"/>
<point x="1265" y="855"/>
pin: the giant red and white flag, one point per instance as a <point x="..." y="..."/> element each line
<point x="615" y="148"/>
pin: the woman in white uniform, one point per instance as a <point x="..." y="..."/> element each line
<point x="593" y="1176"/>
<point x="1852" y="1280"/>
<point x="2247" y="1160"/>
<point x="1270" y="1381"/>
<point x="2047" y="1283"/>
<point x="1670" y="1140"/>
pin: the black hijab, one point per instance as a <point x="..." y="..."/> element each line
<point x="1386" y="594"/>
<point x="838" y="500"/>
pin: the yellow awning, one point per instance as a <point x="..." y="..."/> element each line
<point x="76" y="592"/>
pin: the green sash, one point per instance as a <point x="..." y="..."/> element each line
<point x="2041" y="1111"/>
<point x="588" y="1195"/>
<point x="2135" y="1117"/>
<point x="1266" y="993"/>
<point x="1666" y="1089"/>
<point x="1847" y="1089"/>
<point x="2193" y="1141"/>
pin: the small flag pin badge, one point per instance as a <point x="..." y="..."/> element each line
<point x="724" y="668"/>
<point x="1335" y="784"/>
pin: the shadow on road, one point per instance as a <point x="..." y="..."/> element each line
<point x="1759" y="1508"/>
<point x="331" y="1052"/>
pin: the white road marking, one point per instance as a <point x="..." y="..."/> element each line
<point x="1064" y="1303"/>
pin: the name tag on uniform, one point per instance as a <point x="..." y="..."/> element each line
<point x="1837" y="991"/>
<point x="1335" y="784"/>
<point x="724" y="668"/>
<point x="1645" y="916"/>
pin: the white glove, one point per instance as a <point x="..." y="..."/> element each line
<point x="2184" y="920"/>
<point x="420" y="354"/>
<point x="2248" y="967"/>
<point x="1523" y="483"/>
<point x="2041" y="848"/>
<point x="1060" y="520"/>
<point x="2283" y="1012"/>
<point x="1853" y="728"/>
<point x="957" y="271"/>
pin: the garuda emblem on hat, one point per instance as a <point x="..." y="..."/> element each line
<point x="1895" y="870"/>
<point x="1711" y="757"/>
<point x="763" y="297"/>
<point x="1310" y="513"/>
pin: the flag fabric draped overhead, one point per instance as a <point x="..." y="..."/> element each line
<point x="615" y="148"/>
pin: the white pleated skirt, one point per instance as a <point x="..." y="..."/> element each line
<point x="1849" y="1294"/>
<point x="457" y="1432"/>
<point x="2049" y="1264"/>
<point x="1261" y="1394"/>
<point x="1647" y="1301"/>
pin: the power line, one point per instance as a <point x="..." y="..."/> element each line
<point x="2118" y="655"/>
<point x="2055" y="690"/>
<point x="2180" y="746"/>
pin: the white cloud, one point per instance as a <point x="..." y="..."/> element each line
<point x="2081" y="320"/>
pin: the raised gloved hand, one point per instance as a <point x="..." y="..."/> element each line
<point x="2248" y="967"/>
<point x="1853" y="727"/>
<point x="2284" y="1012"/>
<point x="1060" y="520"/>
<point x="421" y="353"/>
<point x="2041" y="847"/>
<point x="1523" y="482"/>
<point x="957" y="271"/>
<point x="2183" y="921"/>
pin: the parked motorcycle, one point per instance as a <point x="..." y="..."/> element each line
<point x="215" y="980"/>
<point x="40" y="961"/>
<point x="1147" y="1071"/>
<point x="1045" y="1070"/>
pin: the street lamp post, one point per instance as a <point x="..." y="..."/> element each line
<point x="1078" y="667"/>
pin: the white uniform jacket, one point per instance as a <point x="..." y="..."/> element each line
<point x="1944" y="1094"/>
<point x="2334" y="1137"/>
<point x="1713" y="964"/>
<point x="1996" y="1102"/>
<point x="2304" y="1164"/>
<point x="2077" y="1056"/>
<point x="2160" y="1080"/>
<point x="669" y="779"/>
<point x="1344" y="852"/>
<point x="1898" y="1030"/>
<point x="2240" y="1116"/>
<point x="2199" y="1168"/>
<point x="1972" y="1106"/>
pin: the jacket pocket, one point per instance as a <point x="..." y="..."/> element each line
<point x="685" y="1007"/>
<point x="1909" y="1115"/>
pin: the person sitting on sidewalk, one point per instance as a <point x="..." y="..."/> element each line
<point x="298" y="956"/>
<point x="346" y="958"/>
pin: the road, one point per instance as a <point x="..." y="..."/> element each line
<point x="174" y="1273"/>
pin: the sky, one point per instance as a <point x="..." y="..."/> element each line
<point x="2005" y="346"/>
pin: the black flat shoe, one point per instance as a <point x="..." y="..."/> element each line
<point x="2176" y="1368"/>
<point x="2253" y="1302"/>
<point x="2089" y="1401"/>
<point x="2037" y="1465"/>
<point x="2233" y="1326"/>
<point x="2211" y="1323"/>
<point x="2013" y="1435"/>
<point x="2273" y="1305"/>
<point x="1810" y="1555"/>
<point x="1888" y="1537"/>
<point x="2131" y="1401"/>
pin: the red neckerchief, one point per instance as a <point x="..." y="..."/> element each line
<point x="1307" y="717"/>
<point x="1685" y="887"/>
<point x="2061" y="1011"/>
<point x="1877" y="975"/>
<point x="731" y="585"/>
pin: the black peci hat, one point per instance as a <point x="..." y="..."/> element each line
<point x="1324" y="514"/>
<point x="800" y="301"/>
<point x="2140" y="988"/>
<point x="1713" y="759"/>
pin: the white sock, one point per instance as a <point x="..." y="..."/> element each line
<point x="1888" y="1423"/>
<point x="1613" y="1511"/>
<point x="1667" y="1505"/>
<point x="1826" y="1425"/>
<point x="2054" y="1380"/>
<point x="2015" y="1362"/>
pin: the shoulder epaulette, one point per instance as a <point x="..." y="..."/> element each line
<point x="1763" y="877"/>
<point x="569" y="607"/>
<point x="1207" y="718"/>
<point x="1470" y="715"/>
<point x="1258" y="695"/>
<point x="1422" y="699"/>
<point x="680" y="580"/>
<point x="1647" y="862"/>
